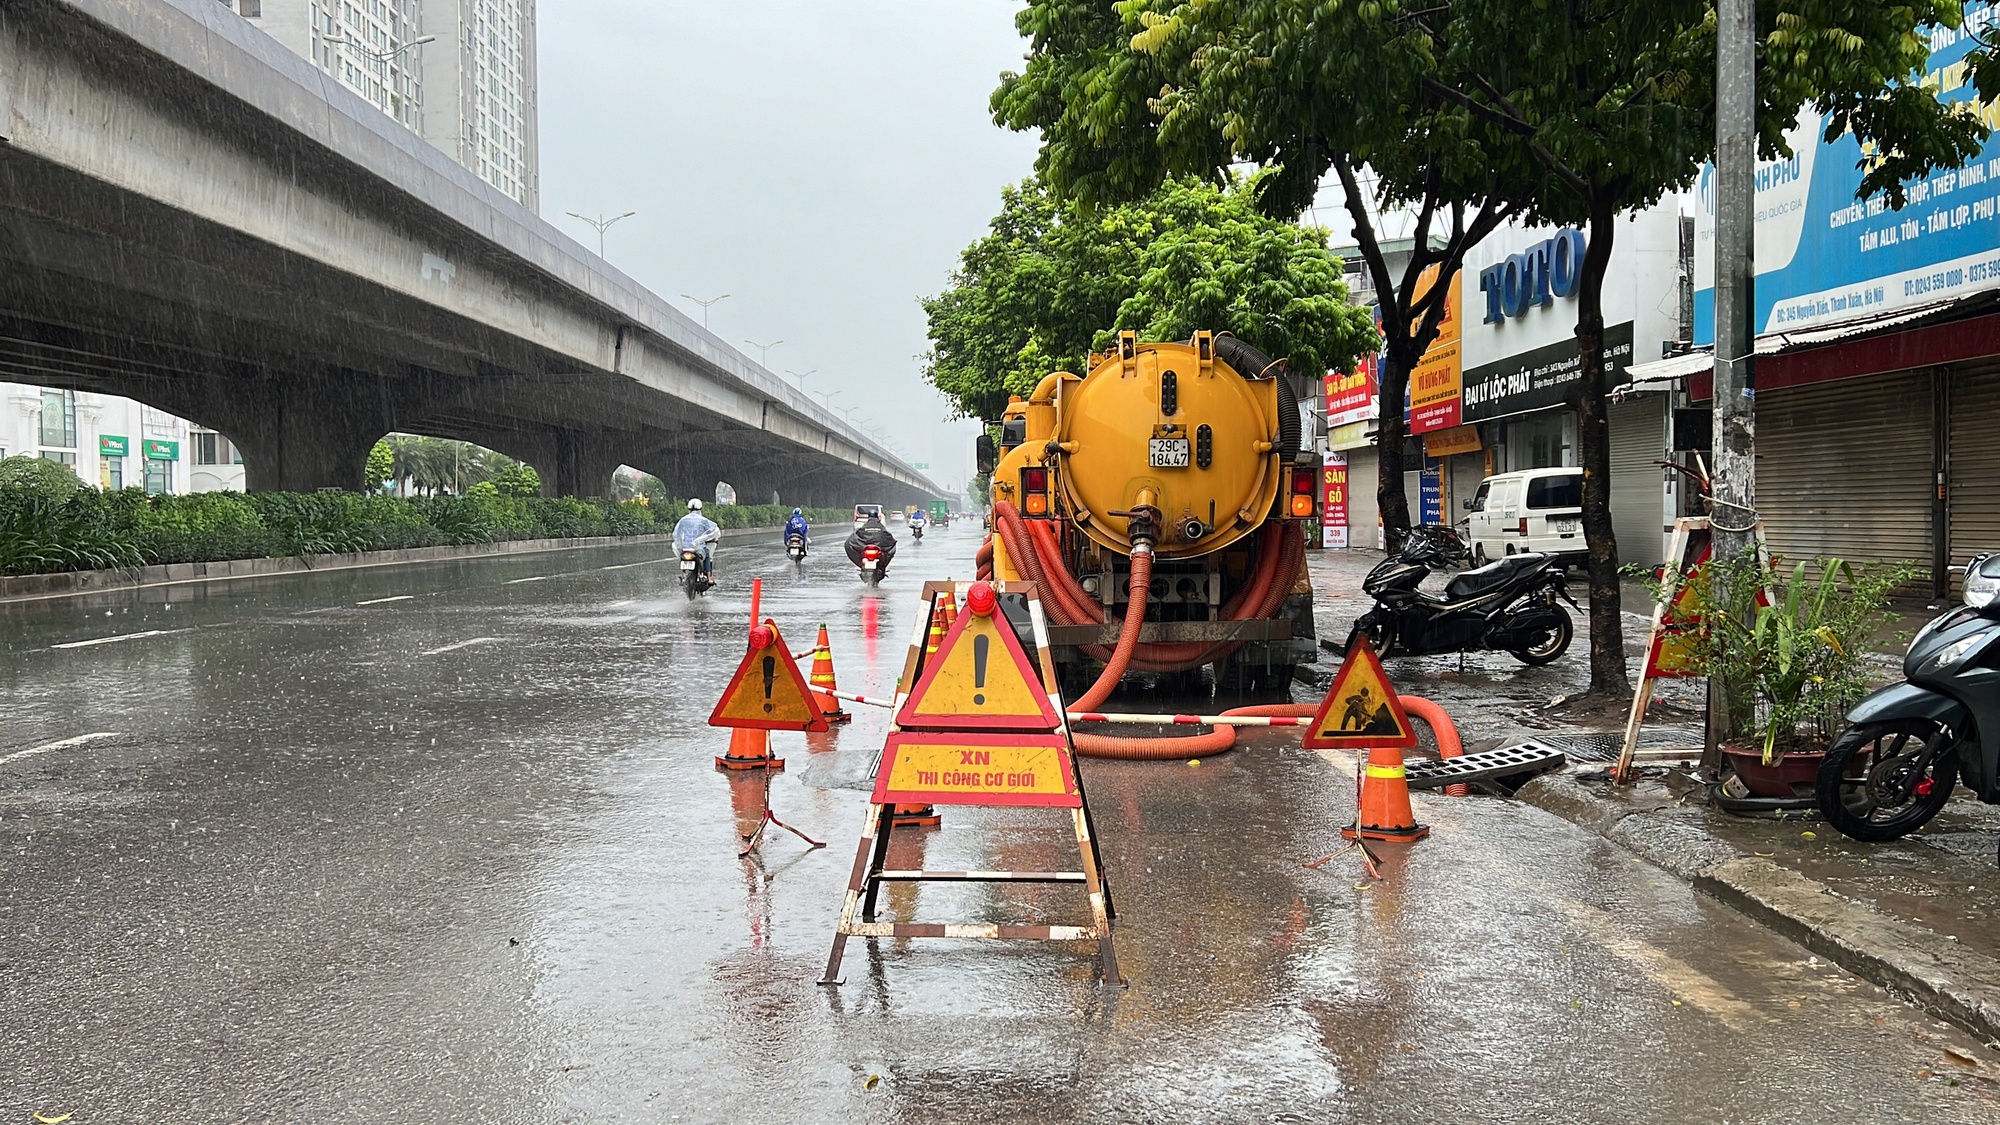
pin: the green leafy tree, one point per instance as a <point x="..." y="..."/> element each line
<point x="517" y="479"/>
<point x="381" y="465"/>
<point x="1050" y="283"/>
<point x="1576" y="111"/>
<point x="1127" y="95"/>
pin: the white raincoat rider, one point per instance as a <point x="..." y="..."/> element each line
<point x="697" y="532"/>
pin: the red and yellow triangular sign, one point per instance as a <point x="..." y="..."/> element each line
<point x="767" y="692"/>
<point x="980" y="679"/>
<point x="1361" y="711"/>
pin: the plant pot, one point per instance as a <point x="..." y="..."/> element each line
<point x="1792" y="775"/>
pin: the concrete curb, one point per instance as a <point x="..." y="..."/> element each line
<point x="1939" y="975"/>
<point x="67" y="584"/>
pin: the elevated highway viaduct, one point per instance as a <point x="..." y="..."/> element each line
<point x="195" y="217"/>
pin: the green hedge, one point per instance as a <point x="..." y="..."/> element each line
<point x="50" y="521"/>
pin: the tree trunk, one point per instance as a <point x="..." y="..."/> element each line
<point x="1593" y="424"/>
<point x="1389" y="495"/>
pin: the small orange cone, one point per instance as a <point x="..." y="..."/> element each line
<point x="910" y="816"/>
<point x="749" y="750"/>
<point x="1385" y="801"/>
<point x="937" y="629"/>
<point x="823" y="682"/>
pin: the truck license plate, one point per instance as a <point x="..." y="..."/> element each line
<point x="1167" y="453"/>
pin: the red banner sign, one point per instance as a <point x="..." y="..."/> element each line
<point x="1333" y="504"/>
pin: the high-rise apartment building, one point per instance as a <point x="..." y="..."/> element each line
<point x="460" y="73"/>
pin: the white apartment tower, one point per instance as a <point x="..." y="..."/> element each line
<point x="459" y="73"/>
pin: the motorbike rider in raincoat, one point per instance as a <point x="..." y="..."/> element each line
<point x="796" y="525"/>
<point x="697" y="532"/>
<point x="871" y="532"/>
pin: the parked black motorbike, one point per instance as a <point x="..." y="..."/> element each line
<point x="1449" y="547"/>
<point x="1508" y="605"/>
<point x="1911" y="743"/>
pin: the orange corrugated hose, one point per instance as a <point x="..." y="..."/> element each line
<point x="1446" y="732"/>
<point x="1166" y="748"/>
<point x="1128" y="632"/>
<point x="1033" y="548"/>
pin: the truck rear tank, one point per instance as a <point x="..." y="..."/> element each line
<point x="1180" y="463"/>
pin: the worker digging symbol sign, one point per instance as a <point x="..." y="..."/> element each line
<point x="1362" y="712"/>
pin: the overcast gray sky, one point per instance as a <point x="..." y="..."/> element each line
<point x="824" y="163"/>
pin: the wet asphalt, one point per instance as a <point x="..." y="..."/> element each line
<point x="446" y="844"/>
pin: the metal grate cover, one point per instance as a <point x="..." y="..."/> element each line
<point x="1527" y="757"/>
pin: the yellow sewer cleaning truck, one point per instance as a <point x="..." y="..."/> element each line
<point x="1158" y="504"/>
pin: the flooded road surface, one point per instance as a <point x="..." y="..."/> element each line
<point x="446" y="845"/>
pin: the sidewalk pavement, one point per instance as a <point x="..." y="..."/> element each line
<point x="1919" y="916"/>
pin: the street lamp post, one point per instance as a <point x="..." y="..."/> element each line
<point x="801" y="375"/>
<point x="704" y="304"/>
<point x="360" y="48"/>
<point x="764" y="351"/>
<point x="601" y="223"/>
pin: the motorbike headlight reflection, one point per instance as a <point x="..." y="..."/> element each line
<point x="1980" y="591"/>
<point x="1950" y="655"/>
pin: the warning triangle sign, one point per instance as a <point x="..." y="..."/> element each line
<point x="980" y="679"/>
<point x="1361" y="711"/>
<point x="767" y="692"/>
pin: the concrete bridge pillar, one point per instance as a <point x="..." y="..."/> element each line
<point x="578" y="464"/>
<point x="298" y="432"/>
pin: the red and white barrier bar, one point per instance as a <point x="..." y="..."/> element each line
<point x="1127" y="717"/>
<point x="1190" y="720"/>
<point x="852" y="698"/>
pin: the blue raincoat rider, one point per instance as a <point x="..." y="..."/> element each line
<point x="697" y="532"/>
<point x="796" y="525"/>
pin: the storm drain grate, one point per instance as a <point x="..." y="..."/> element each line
<point x="1527" y="757"/>
<point x="1602" y="747"/>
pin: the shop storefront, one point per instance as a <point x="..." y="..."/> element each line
<point x="1492" y="394"/>
<point x="1878" y="369"/>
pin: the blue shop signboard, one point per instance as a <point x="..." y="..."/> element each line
<point x="1824" y="257"/>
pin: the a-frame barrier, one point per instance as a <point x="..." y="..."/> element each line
<point x="1674" y="631"/>
<point x="1039" y="748"/>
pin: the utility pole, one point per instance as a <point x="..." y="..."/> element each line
<point x="601" y="223"/>
<point x="704" y="305"/>
<point x="1734" y="517"/>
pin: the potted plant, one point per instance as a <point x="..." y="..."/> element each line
<point x="1798" y="641"/>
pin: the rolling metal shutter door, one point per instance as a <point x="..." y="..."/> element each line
<point x="1975" y="459"/>
<point x="1844" y="469"/>
<point x="1638" y="492"/>
<point x="1362" y="510"/>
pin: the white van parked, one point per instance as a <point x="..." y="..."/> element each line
<point x="1530" y="510"/>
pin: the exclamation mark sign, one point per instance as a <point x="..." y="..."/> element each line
<point x="770" y="679"/>
<point x="979" y="647"/>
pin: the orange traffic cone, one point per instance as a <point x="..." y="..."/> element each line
<point x="749" y="750"/>
<point x="822" y="679"/>
<point x="1385" y="801"/>
<point x="950" y="609"/>
<point x="936" y="637"/>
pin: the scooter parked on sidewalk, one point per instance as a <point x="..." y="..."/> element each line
<point x="1911" y="743"/>
<point x="1508" y="605"/>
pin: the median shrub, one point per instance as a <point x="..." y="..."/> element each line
<point x="52" y="521"/>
